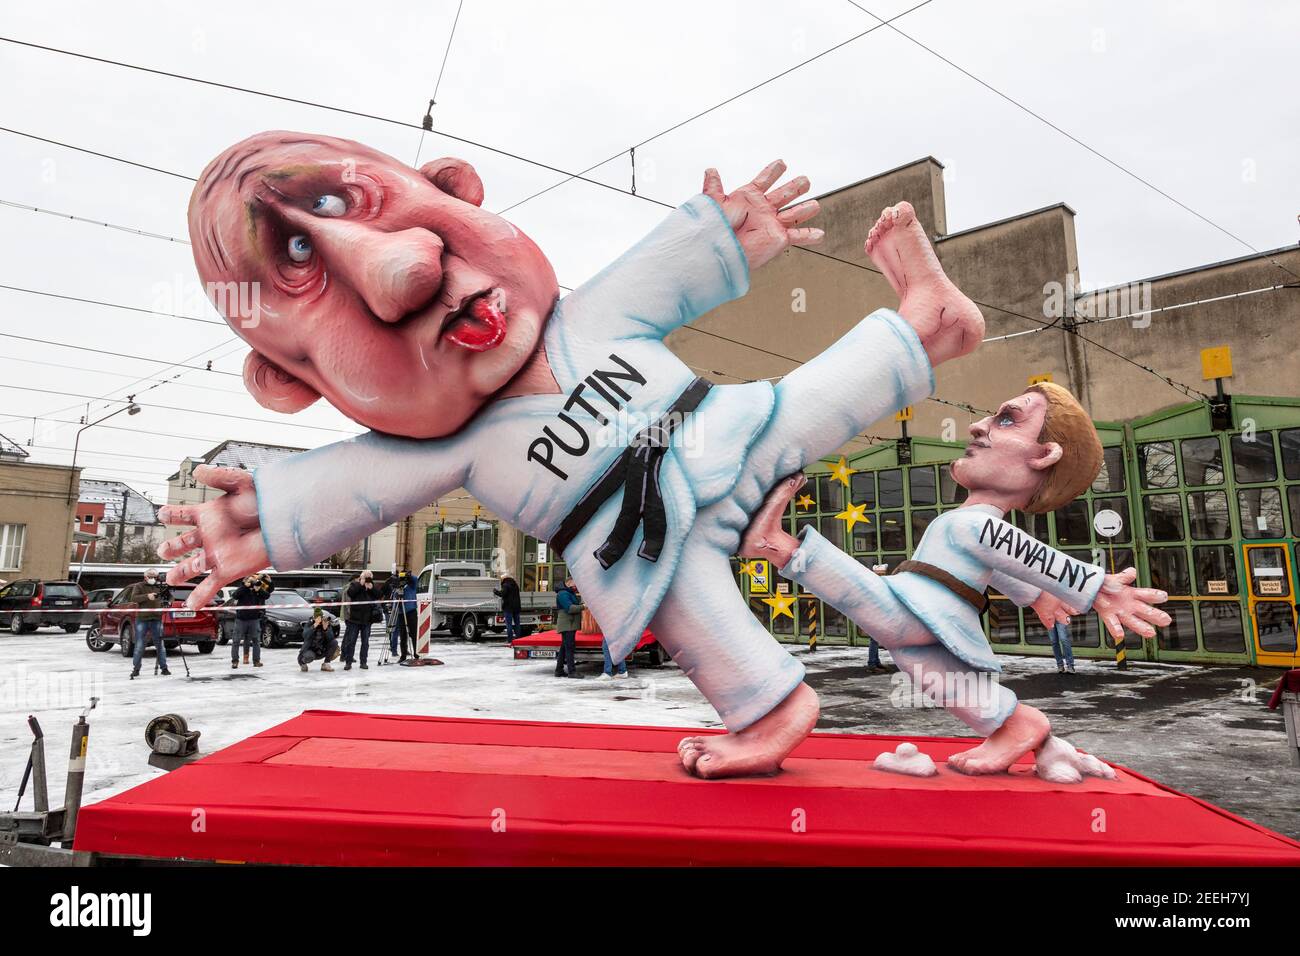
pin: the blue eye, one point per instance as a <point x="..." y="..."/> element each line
<point x="1006" y="421"/>
<point x="299" y="248"/>
<point x="329" y="206"/>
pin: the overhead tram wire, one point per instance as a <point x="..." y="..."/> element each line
<point x="178" y="408"/>
<point x="1070" y="136"/>
<point x="705" y="112"/>
<point x="507" y="153"/>
<point x="427" y="125"/>
<point x="857" y="265"/>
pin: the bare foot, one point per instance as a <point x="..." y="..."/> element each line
<point x="758" y="749"/>
<point x="1024" y="730"/>
<point x="1058" y="762"/>
<point x="766" y="536"/>
<point x="947" y="322"/>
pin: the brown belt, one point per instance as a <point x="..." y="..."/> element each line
<point x="958" y="587"/>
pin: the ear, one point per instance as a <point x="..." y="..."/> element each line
<point x="274" y="388"/>
<point x="1052" y="456"/>
<point x="456" y="178"/>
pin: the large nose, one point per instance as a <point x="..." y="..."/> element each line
<point x="394" y="272"/>
<point x="980" y="428"/>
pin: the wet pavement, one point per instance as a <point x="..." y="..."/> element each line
<point x="1206" y="731"/>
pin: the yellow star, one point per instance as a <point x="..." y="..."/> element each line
<point x="804" y="502"/>
<point x="749" y="567"/>
<point x="853" y="514"/>
<point x="842" y="471"/>
<point x="781" y="604"/>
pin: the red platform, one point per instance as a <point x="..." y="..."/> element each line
<point x="340" y="788"/>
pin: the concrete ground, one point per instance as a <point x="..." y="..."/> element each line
<point x="1203" y="730"/>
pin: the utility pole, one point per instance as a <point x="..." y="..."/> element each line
<point x="121" y="528"/>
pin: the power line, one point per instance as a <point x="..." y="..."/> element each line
<point x="433" y="100"/>
<point x="113" y="305"/>
<point x="138" y="358"/>
<point x="94" y="222"/>
<point x="177" y="408"/>
<point x="82" y="149"/>
<point x="1070" y="136"/>
<point x="705" y="112"/>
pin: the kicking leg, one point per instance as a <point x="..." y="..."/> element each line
<point x="947" y="322"/>
<point x="753" y="682"/>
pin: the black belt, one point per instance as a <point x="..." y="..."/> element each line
<point x="636" y="471"/>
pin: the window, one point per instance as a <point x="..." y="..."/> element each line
<point x="921" y="484"/>
<point x="893" y="531"/>
<point x="1290" y="442"/>
<point x="1120" y="507"/>
<point x="864" y="538"/>
<point x="1164" y="517"/>
<point x="1207" y="513"/>
<point x="891" y="488"/>
<point x="950" y="493"/>
<point x="1253" y="460"/>
<point x="1110" y="479"/>
<point x="832" y="529"/>
<point x="1221" y="627"/>
<point x="1157" y="464"/>
<point x="1073" y="525"/>
<point x="1033" y="525"/>
<point x="920" y="521"/>
<point x="12" y="537"/>
<point x="1293" y="499"/>
<point x="1169" y="570"/>
<point x="831" y="493"/>
<point x="1202" y="461"/>
<point x="1260" y="510"/>
<point x="1180" y="635"/>
<point x="1216" y="569"/>
<point x="862" y="486"/>
<point x="1004" y="622"/>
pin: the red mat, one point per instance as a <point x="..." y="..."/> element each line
<point x="362" y="789"/>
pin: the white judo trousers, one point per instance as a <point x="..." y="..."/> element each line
<point x="704" y="621"/>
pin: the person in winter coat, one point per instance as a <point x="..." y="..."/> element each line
<point x="510" y="604"/>
<point x="150" y="596"/>
<point x="406" y="615"/>
<point x="360" y="614"/>
<point x="319" y="641"/>
<point x="248" y="600"/>
<point x="567" y="621"/>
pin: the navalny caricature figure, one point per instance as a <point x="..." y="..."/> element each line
<point x="438" y="325"/>
<point x="1036" y="453"/>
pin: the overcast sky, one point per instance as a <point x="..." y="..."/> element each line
<point x="1195" y="96"/>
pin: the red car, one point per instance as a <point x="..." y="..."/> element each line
<point x="116" y="625"/>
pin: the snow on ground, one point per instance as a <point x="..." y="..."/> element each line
<point x="53" y="675"/>
<point x="1202" y="730"/>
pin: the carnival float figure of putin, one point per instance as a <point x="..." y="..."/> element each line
<point x="438" y="325"/>
<point x="1036" y="453"/>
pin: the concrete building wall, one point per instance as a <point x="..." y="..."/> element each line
<point x="36" y="496"/>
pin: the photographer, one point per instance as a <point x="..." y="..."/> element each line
<point x="247" y="601"/>
<point x="360" y="614"/>
<point x="150" y="596"/>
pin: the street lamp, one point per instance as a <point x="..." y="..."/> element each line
<point x="131" y="408"/>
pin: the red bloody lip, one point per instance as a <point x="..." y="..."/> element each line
<point x="479" y="324"/>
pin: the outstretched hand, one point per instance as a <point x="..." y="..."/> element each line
<point x="226" y="538"/>
<point x="762" y="226"/>
<point x="1120" y="606"/>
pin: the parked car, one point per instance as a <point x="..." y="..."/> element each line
<point x="286" y="614"/>
<point x="28" y="604"/>
<point x="96" y="601"/>
<point x="116" y="625"/>
<point x="330" y="597"/>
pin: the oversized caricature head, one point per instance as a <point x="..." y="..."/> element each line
<point x="1038" y="452"/>
<point x="388" y="291"/>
